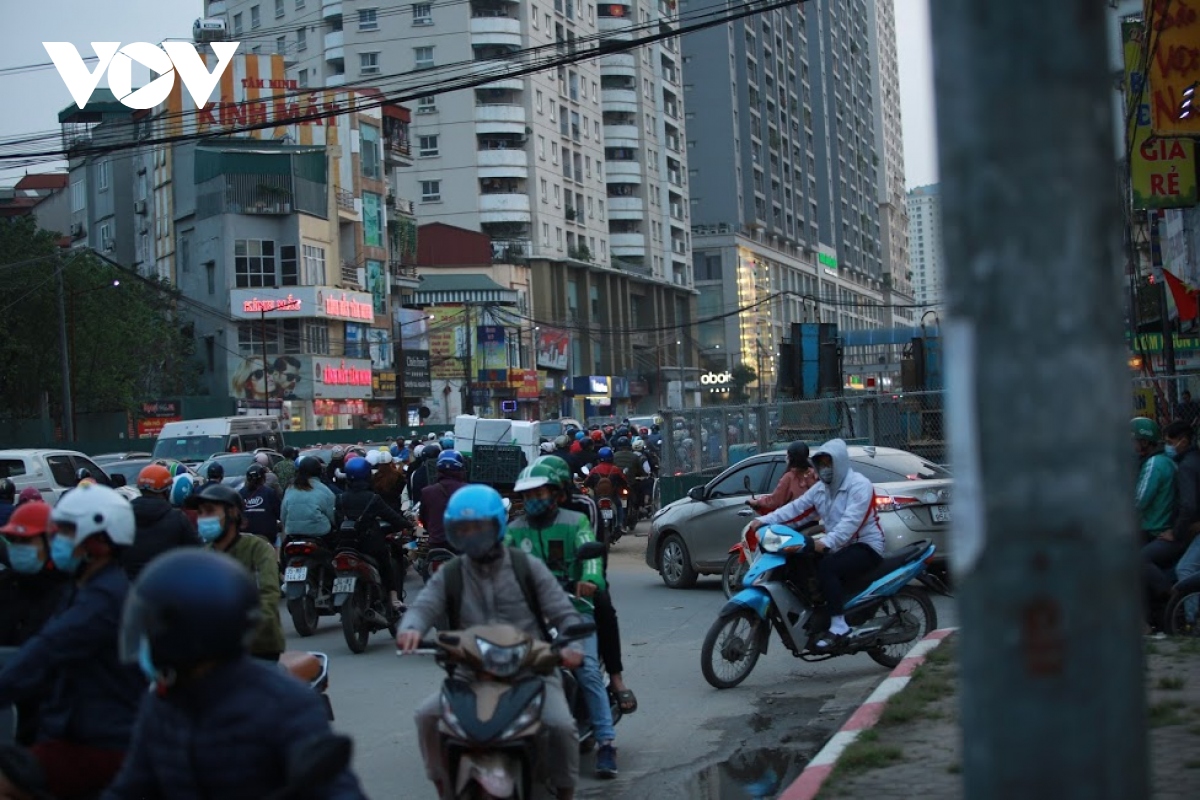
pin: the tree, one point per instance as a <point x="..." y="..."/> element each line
<point x="126" y="344"/>
<point x="743" y="375"/>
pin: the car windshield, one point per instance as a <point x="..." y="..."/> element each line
<point x="319" y="452"/>
<point x="235" y="465"/>
<point x="188" y="448"/>
<point x="128" y="469"/>
<point x="550" y="429"/>
<point x="886" y="467"/>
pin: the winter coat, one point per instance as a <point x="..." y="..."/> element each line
<point x="359" y="503"/>
<point x="554" y="541"/>
<point x="28" y="601"/>
<point x="308" y="512"/>
<point x="93" y="697"/>
<point x="228" y="735"/>
<point x="434" y="500"/>
<point x="160" y="527"/>
<point x="792" y="485"/>
<point x="261" y="516"/>
<point x="259" y="557"/>
<point x="1154" y="498"/>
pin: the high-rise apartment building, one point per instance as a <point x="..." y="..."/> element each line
<point x="889" y="147"/>
<point x="925" y="246"/>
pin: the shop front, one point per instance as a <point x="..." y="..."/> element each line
<point x="382" y="410"/>
<point x="342" y="391"/>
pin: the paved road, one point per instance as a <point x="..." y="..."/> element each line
<point x="668" y="748"/>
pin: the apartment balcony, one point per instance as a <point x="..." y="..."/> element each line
<point x="619" y="100"/>
<point x="350" y="276"/>
<point x="627" y="244"/>
<point x="331" y="9"/>
<point x="266" y="194"/>
<point x="404" y="276"/>
<point x="503" y="164"/>
<point x="679" y="247"/>
<point x="622" y="136"/>
<point x="399" y="208"/>
<point x="495" y="30"/>
<point x="336" y="79"/>
<point x="504" y="208"/>
<point x="623" y="64"/>
<point x="335" y="46"/>
<point x="397" y="150"/>
<point x="616" y="28"/>
<point x="347" y="205"/>
<point x="495" y="66"/>
<point x="622" y="172"/>
<point x="626" y="207"/>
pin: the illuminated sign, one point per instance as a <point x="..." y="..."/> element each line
<point x="599" y="385"/>
<point x="256" y="306"/>
<point x="828" y="261"/>
<point x="714" y="378"/>
<point x="345" y="376"/>
<point x="348" y="307"/>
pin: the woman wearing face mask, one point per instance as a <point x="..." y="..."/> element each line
<point x="30" y="592"/>
<point x="87" y="716"/>
<point x="219" y="520"/>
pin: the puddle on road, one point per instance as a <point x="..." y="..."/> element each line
<point x="748" y="775"/>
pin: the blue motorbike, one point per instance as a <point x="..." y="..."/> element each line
<point x="780" y="591"/>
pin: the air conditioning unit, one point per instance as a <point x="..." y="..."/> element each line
<point x="210" y="29"/>
<point x="139" y="207"/>
<point x="76" y="230"/>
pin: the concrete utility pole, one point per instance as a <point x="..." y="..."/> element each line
<point x="68" y="409"/>
<point x="1038" y="404"/>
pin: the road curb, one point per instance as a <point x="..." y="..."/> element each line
<point x="814" y="775"/>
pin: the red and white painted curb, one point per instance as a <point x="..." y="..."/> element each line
<point x="810" y="781"/>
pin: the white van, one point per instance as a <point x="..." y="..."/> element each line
<point x="194" y="440"/>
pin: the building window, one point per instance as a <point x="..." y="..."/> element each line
<point x="426" y="105"/>
<point x="373" y="224"/>
<point x="542" y="147"/>
<point x="237" y="24"/>
<point x="210" y="267"/>
<point x="279" y="12"/>
<point x="533" y="15"/>
<point x="280" y="45"/>
<point x="255" y="19"/>
<point x="538" y="100"/>
<point x="422" y="13"/>
<point x="431" y="191"/>
<point x="427" y="147"/>
<point x="302" y="77"/>
<point x="545" y="234"/>
<point x="106" y="237"/>
<point x="316" y="337"/>
<point x="254" y="263"/>
<point x="289" y="268"/>
<point x="302" y="38"/>
<point x="368" y="19"/>
<point x="545" y="192"/>
<point x="314" y="265"/>
<point x="299" y="4"/>
<point x="371" y="168"/>
<point x="102" y="175"/>
<point x="368" y="63"/>
<point x="78" y="196"/>
<point x="423" y="57"/>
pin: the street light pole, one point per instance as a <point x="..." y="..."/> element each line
<point x="1037" y="401"/>
<point x="68" y="408"/>
<point x="266" y="370"/>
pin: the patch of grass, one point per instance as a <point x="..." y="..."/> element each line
<point x="1168" y="712"/>
<point x="1171" y="684"/>
<point x="929" y="684"/>
<point x="1190" y="646"/>
<point x="861" y="757"/>
<point x="954" y="769"/>
<point x="1151" y="649"/>
<point x="941" y="656"/>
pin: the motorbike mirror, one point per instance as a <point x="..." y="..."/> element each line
<point x="118" y="481"/>
<point x="579" y="630"/>
<point x="746" y="484"/>
<point x="590" y="550"/>
<point x="318" y="760"/>
<point x="585" y="469"/>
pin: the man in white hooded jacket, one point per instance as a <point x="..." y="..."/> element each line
<point x="844" y="500"/>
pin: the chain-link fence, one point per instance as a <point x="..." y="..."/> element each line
<point x="1162" y="398"/>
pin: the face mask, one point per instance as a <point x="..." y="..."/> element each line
<point x="825" y="474"/>
<point x="1170" y="450"/>
<point x="480" y="547"/>
<point x="25" y="558"/>
<point x="538" y="507"/>
<point x="62" y="553"/>
<point x="210" y="528"/>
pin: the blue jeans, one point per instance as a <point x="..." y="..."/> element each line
<point x="1188" y="565"/>
<point x="591" y="681"/>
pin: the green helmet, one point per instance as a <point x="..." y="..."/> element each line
<point x="536" y="475"/>
<point x="562" y="471"/>
<point x="1145" y="428"/>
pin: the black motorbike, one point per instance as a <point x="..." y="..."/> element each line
<point x="359" y="597"/>
<point x="308" y="577"/>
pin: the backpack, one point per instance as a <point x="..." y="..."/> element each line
<point x="354" y="526"/>
<point x="453" y="570"/>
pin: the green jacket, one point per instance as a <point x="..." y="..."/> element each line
<point x="285" y="470"/>
<point x="571" y="529"/>
<point x="1155" y="495"/>
<point x="259" y="557"/>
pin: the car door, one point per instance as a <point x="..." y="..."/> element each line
<point x="716" y="525"/>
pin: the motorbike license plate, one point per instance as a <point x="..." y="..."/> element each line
<point x="343" y="585"/>
<point x="606" y="513"/>
<point x="292" y="574"/>
<point x="941" y="513"/>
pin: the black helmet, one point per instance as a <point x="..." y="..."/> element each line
<point x="622" y="441"/>
<point x="257" y="473"/>
<point x="310" y="467"/>
<point x="191" y="606"/>
<point x="82" y="474"/>
<point x="8" y="492"/>
<point x="431" y="452"/>
<point x="797" y="454"/>
<point x="216" y="493"/>
<point x="215" y="471"/>
<point x="291" y="453"/>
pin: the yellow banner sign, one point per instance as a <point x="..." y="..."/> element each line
<point x="1173" y="37"/>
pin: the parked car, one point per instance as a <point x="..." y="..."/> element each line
<point x="550" y="428"/>
<point x="692" y="536"/>
<point x="236" y="464"/>
<point x="104" y="459"/>
<point x="51" y="472"/>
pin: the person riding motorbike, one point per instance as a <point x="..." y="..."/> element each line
<point x="1154" y="499"/>
<point x="218" y="723"/>
<point x="360" y="509"/>
<point x="419" y="477"/>
<point x="87" y="717"/>
<point x="853" y="543"/>
<point x="552" y="534"/>
<point x="261" y="506"/>
<point x="8" y="496"/>
<point x="476" y="522"/>
<point x="29" y="494"/>
<point x="606" y="479"/>
<point x="160" y="526"/>
<point x="309" y="506"/>
<point x="219" y="524"/>
<point x="31" y="590"/>
<point x="337" y="463"/>
<point x="452" y="473"/>
<point x="285" y="469"/>
<point x="562" y="446"/>
<point x="636" y="469"/>
<point x="388" y="481"/>
<point x="215" y="472"/>
<point x="796" y="480"/>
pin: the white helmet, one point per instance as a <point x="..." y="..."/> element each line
<point x="547" y="447"/>
<point x="94" y="509"/>
<point x="638" y="444"/>
<point x="385" y="457"/>
<point x="264" y="459"/>
<point x="416" y="453"/>
<point x="433" y="437"/>
<point x="373" y="458"/>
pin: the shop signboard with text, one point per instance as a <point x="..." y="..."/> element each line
<point x="553" y="348"/>
<point x="342" y="378"/>
<point x="302" y="301"/>
<point x="153" y="416"/>
<point x="416" y="374"/>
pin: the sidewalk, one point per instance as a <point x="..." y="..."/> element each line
<point x="905" y="742"/>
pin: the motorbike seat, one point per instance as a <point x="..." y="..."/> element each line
<point x="891" y="562"/>
<point x="302" y="665"/>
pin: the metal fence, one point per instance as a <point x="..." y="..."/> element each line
<point x="1159" y="397"/>
<point x="706" y="440"/>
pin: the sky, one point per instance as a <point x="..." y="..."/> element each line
<point x="32" y="100"/>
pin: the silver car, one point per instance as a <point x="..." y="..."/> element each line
<point x="693" y="535"/>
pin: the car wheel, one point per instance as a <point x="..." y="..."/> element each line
<point x="675" y="565"/>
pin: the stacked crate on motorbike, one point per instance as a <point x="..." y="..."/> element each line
<point x="496" y="464"/>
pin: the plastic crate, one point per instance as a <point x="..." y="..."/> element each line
<point x="496" y="464"/>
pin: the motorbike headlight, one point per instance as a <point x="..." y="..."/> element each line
<point x="772" y="541"/>
<point x="531" y="714"/>
<point x="503" y="662"/>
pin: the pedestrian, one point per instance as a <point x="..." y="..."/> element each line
<point x="1188" y="410"/>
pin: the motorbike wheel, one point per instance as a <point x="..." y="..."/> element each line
<point x="1175" y="618"/>
<point x="305" y="616"/>
<point x="913" y="608"/>
<point x="354" y="621"/>
<point x="724" y="646"/>
<point x="733" y="574"/>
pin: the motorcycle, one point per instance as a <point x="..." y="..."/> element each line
<point x="743" y="555"/>
<point x="887" y="614"/>
<point x="491" y="718"/>
<point x="312" y="668"/>
<point x="359" y="597"/>
<point x="610" y="532"/>
<point x="308" y="581"/>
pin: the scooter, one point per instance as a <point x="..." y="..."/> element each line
<point x="359" y="597"/>
<point x="308" y="578"/>
<point x="610" y="531"/>
<point x="887" y="614"/>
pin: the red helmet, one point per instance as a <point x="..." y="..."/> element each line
<point x="597" y="436"/>
<point x="29" y="494"/>
<point x="155" y="478"/>
<point x="29" y="520"/>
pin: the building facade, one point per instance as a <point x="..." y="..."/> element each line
<point x="925" y="246"/>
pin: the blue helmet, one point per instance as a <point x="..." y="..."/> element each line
<point x="473" y="504"/>
<point x="358" y="469"/>
<point x="451" y="460"/>
<point x="181" y="489"/>
<point x="580" y="436"/>
<point x="447" y="443"/>
<point x="187" y="607"/>
<point x="606" y="454"/>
